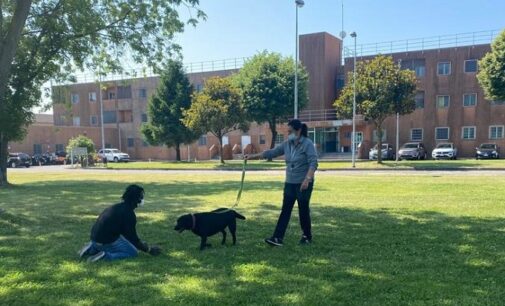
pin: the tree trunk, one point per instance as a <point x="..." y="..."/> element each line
<point x="3" y="161"/>
<point x="221" y="148"/>
<point x="8" y="47"/>
<point x="178" y="151"/>
<point x="379" y="142"/>
<point x="273" y="129"/>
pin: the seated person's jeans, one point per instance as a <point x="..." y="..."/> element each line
<point x="119" y="249"/>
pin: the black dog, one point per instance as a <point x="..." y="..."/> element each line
<point x="210" y="223"/>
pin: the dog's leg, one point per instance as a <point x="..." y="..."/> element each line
<point x="203" y="243"/>
<point x="224" y="237"/>
<point x="233" y="228"/>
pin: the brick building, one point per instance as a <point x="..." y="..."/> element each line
<point x="450" y="105"/>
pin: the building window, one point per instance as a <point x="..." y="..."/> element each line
<point x="93" y="120"/>
<point x="203" y="140"/>
<point x="496" y="132"/>
<point x="59" y="120"/>
<point x="131" y="142"/>
<point x="419" y="99"/>
<point x="359" y="138"/>
<point x="75" y="98"/>
<point x="416" y="134"/>
<point x="471" y="65"/>
<point x="444" y="68"/>
<point x="469" y="99"/>
<point x="142" y="93"/>
<point x="416" y="65"/>
<point x="144" y="117"/>
<point x="263" y="139"/>
<point x="109" y="117"/>
<point x="124" y="92"/>
<point x="468" y="132"/>
<point x="442" y="133"/>
<point x="111" y="95"/>
<point x="279" y="138"/>
<point x="199" y="87"/>
<point x="92" y="96"/>
<point x="77" y="121"/>
<point x="59" y="147"/>
<point x="37" y="148"/>
<point x="376" y="137"/>
<point x="443" y="101"/>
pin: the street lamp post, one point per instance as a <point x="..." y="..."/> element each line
<point x="101" y="110"/>
<point x="353" y="136"/>
<point x="299" y="4"/>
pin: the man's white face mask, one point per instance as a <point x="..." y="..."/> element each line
<point x="141" y="202"/>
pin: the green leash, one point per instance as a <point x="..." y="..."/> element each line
<point x="239" y="195"/>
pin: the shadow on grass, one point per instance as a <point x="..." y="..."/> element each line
<point x="358" y="256"/>
<point x="434" y="164"/>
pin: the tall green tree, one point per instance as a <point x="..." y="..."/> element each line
<point x="166" y="107"/>
<point x="267" y="86"/>
<point x="491" y="74"/>
<point x="42" y="40"/>
<point x="216" y="109"/>
<point x="382" y="90"/>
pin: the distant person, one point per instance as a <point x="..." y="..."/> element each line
<point x="114" y="235"/>
<point x="301" y="164"/>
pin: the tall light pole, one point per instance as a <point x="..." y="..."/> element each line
<point x="298" y="4"/>
<point x="353" y="136"/>
<point x="398" y="123"/>
<point x="101" y="110"/>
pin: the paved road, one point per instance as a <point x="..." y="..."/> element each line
<point x="61" y="169"/>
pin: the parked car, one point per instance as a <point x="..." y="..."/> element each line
<point x="114" y="155"/>
<point x="387" y="152"/>
<point x="412" y="150"/>
<point x="445" y="150"/>
<point x="487" y="150"/>
<point x="19" y="160"/>
<point x="43" y="159"/>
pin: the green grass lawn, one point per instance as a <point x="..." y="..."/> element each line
<point x="378" y="239"/>
<point x="323" y="165"/>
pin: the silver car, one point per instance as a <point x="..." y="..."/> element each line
<point x="387" y="152"/>
<point x="412" y="150"/>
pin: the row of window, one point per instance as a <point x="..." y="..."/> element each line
<point x="443" y="101"/>
<point x="37" y="148"/>
<point x="443" y="133"/>
<point x="122" y="92"/>
<point x="109" y="117"/>
<point x="443" y="67"/>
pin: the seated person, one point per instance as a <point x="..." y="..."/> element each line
<point x="114" y="235"/>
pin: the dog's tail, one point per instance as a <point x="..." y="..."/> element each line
<point x="239" y="216"/>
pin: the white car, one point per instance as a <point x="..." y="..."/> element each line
<point x="114" y="155"/>
<point x="445" y="150"/>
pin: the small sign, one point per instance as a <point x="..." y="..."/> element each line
<point x="80" y="151"/>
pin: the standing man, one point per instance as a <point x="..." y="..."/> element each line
<point x="114" y="235"/>
<point x="301" y="164"/>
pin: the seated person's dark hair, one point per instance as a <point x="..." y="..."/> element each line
<point x="133" y="194"/>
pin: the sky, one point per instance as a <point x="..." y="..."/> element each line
<point x="239" y="28"/>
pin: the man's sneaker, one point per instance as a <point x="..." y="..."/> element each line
<point x="97" y="257"/>
<point x="86" y="250"/>
<point x="305" y="240"/>
<point x="274" y="241"/>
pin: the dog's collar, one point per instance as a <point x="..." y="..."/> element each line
<point x="194" y="221"/>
